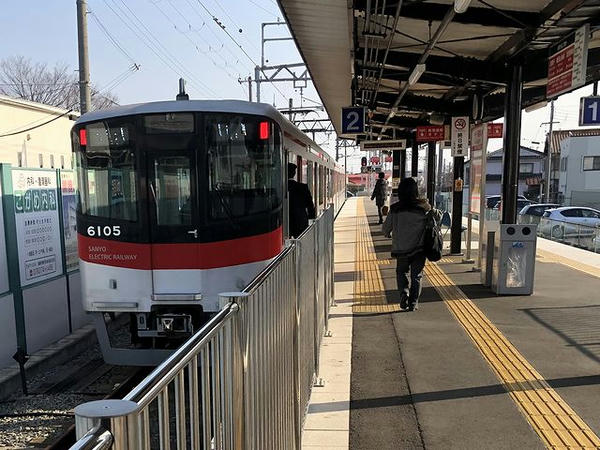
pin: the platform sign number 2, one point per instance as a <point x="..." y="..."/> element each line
<point x="353" y="120"/>
<point x="589" y="111"/>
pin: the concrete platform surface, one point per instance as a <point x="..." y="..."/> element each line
<point x="469" y="369"/>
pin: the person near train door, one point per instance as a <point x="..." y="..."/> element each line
<point x="379" y="195"/>
<point x="301" y="206"/>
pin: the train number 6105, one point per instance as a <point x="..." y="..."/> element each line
<point x="104" y="231"/>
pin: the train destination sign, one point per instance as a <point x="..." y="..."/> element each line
<point x="38" y="226"/>
<point x="567" y="63"/>
<point x="399" y="144"/>
<point x="431" y="133"/>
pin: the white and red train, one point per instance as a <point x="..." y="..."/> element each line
<point x="179" y="201"/>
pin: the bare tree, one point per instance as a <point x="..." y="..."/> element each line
<point x="56" y="86"/>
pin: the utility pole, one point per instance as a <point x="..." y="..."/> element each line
<point x="549" y="155"/>
<point x="249" y="89"/>
<point x="85" y="99"/>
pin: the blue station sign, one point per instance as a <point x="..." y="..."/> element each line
<point x="353" y="120"/>
<point x="589" y="111"/>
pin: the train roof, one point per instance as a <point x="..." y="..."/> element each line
<point x="224" y="106"/>
<point x="238" y="106"/>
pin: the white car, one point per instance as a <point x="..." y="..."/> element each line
<point x="567" y="221"/>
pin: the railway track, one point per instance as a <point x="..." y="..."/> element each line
<point x="44" y="418"/>
<point x="66" y="439"/>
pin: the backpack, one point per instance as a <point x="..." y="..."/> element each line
<point x="433" y="242"/>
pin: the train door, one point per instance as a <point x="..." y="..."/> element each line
<point x="174" y="217"/>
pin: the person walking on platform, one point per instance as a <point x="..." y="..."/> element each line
<point x="379" y="195"/>
<point x="301" y="207"/>
<point x="406" y="225"/>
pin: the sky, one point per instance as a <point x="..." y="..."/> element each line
<point x="173" y="38"/>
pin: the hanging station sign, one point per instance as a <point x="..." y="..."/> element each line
<point x="399" y="144"/>
<point x="460" y="136"/>
<point x="495" y="130"/>
<point x="431" y="133"/>
<point x="4" y="287"/>
<point x="567" y="63"/>
<point x="38" y="227"/>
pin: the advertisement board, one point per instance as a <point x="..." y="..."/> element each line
<point x="68" y="188"/>
<point x="38" y="227"/>
<point x="3" y="261"/>
<point x="478" y="148"/>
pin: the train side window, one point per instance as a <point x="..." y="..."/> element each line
<point x="244" y="166"/>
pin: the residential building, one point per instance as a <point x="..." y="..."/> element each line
<point x="579" y="172"/>
<point x="531" y="168"/>
<point x="35" y="135"/>
<point x="576" y="142"/>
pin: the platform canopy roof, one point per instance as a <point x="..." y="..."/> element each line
<point x="363" y="52"/>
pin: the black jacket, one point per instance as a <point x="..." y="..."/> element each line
<point x="302" y="207"/>
<point x="380" y="192"/>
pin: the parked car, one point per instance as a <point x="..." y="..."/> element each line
<point x="492" y="200"/>
<point x="521" y="203"/>
<point x="533" y="212"/>
<point x="570" y="221"/>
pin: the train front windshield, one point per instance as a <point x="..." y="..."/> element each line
<point x="172" y="177"/>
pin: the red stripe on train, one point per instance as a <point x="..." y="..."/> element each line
<point x="206" y="255"/>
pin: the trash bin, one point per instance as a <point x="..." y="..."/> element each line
<point x="514" y="259"/>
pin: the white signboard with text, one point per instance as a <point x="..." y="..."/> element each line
<point x="68" y="185"/>
<point x="3" y="261"/>
<point x="478" y="150"/>
<point x="38" y="226"/>
<point x="459" y="136"/>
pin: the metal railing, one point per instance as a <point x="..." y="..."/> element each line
<point x="244" y="380"/>
<point x="578" y="235"/>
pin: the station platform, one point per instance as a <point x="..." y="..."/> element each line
<point x="468" y="369"/>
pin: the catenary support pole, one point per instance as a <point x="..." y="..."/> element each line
<point x="396" y="161"/>
<point x="512" y="144"/>
<point x="85" y="100"/>
<point x="414" y="160"/>
<point x="548" y="162"/>
<point x="431" y="172"/>
<point x="250" y="89"/>
<point x="402" y="164"/>
<point x="457" y="200"/>
<point x="257" y="81"/>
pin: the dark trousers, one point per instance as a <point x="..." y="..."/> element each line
<point x="412" y="265"/>
<point x="380" y="212"/>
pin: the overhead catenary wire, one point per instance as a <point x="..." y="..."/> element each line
<point x="110" y="37"/>
<point x="163" y="55"/>
<point x="216" y="20"/>
<point x="194" y="44"/>
<point x="150" y="35"/>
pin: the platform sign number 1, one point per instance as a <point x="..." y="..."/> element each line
<point x="589" y="111"/>
<point x="353" y="120"/>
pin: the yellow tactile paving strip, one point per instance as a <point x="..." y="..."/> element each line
<point x="546" y="256"/>
<point x="557" y="424"/>
<point x="369" y="295"/>
<point x="551" y="417"/>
